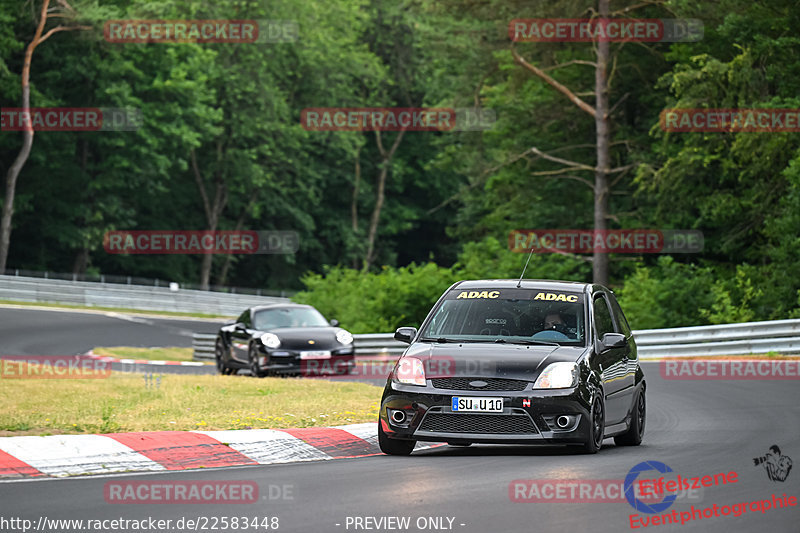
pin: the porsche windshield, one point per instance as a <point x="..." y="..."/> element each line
<point x="509" y="315"/>
<point x="288" y="317"/>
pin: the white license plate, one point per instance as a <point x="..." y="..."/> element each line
<point x="316" y="355"/>
<point x="477" y="403"/>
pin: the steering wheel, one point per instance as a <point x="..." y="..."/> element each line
<point x="550" y="335"/>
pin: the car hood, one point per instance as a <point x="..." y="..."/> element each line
<point x="323" y="337"/>
<point x="491" y="360"/>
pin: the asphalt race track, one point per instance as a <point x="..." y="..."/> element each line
<point x="60" y="332"/>
<point x="57" y="332"/>
<point x="695" y="427"/>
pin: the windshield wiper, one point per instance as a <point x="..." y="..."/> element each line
<point x="498" y="340"/>
<point x="541" y="343"/>
<point x="438" y="339"/>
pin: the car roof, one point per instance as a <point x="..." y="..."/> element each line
<point x="543" y="284"/>
<point x="279" y="306"/>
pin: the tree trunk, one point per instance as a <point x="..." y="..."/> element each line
<point x="81" y="261"/>
<point x="356" y="185"/>
<point x="354" y="201"/>
<point x="601" y="119"/>
<point x="226" y="266"/>
<point x="27" y="134"/>
<point x="27" y="144"/>
<point x="205" y="267"/>
<point x="386" y="161"/>
<point x="13" y="174"/>
<point x="213" y="211"/>
<point x="376" y="214"/>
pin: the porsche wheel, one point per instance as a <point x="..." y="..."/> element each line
<point x="219" y="355"/>
<point x="252" y="357"/>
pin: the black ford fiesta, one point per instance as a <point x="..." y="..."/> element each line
<point x="504" y="361"/>
<point x="284" y="339"/>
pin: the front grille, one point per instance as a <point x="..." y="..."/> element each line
<point x="477" y="423"/>
<point x="492" y="384"/>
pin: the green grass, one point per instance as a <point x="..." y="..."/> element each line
<point x="131" y="402"/>
<point x="150" y="354"/>
<point x="54" y="305"/>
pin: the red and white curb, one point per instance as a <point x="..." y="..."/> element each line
<point x="71" y="455"/>
<point x="108" y="359"/>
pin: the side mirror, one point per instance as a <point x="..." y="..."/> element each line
<point x="334" y="322"/>
<point x="405" y="334"/>
<point x="613" y="340"/>
<point x="239" y="326"/>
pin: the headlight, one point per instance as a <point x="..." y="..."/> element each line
<point x="344" y="336"/>
<point x="270" y="340"/>
<point x="410" y="371"/>
<point x="558" y="376"/>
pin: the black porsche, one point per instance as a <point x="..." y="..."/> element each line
<point x="284" y="339"/>
<point x="516" y="362"/>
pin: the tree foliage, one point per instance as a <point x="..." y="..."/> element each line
<point x="221" y="146"/>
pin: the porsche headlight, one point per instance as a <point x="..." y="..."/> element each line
<point x="344" y="336"/>
<point x="558" y="376"/>
<point x="270" y="340"/>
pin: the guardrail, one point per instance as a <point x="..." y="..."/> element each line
<point x="203" y="346"/>
<point x="380" y="345"/>
<point x="748" y="338"/>
<point x="140" y="281"/>
<point x="144" y="298"/>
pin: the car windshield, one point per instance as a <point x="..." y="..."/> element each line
<point x="509" y="315"/>
<point x="288" y="317"/>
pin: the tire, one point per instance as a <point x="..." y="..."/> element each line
<point x="596" y="428"/>
<point x="633" y="437"/>
<point x="219" y="351"/>
<point x="252" y="356"/>
<point x="391" y="446"/>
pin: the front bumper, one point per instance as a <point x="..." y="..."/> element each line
<point x="529" y="416"/>
<point x="341" y="361"/>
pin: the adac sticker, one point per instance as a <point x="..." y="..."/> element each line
<point x="478" y="294"/>
<point x="553" y="297"/>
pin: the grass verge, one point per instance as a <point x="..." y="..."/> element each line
<point x="149" y="354"/>
<point x="132" y="402"/>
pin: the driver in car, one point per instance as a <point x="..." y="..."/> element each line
<point x="555" y="322"/>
